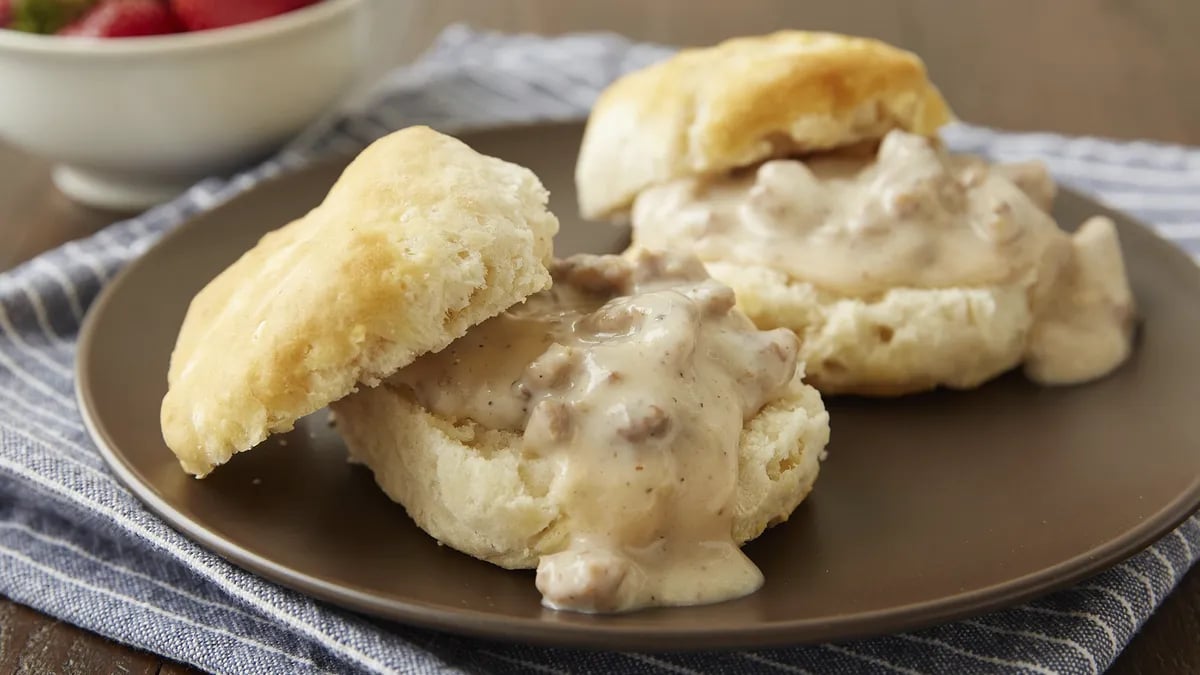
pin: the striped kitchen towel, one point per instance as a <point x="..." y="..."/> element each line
<point x="75" y="544"/>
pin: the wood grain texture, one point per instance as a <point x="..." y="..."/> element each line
<point x="1170" y="640"/>
<point x="33" y="644"/>
<point x="1115" y="68"/>
<point x="34" y="216"/>
<point x="1119" y="68"/>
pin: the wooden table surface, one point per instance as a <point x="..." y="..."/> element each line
<point x="1123" y="69"/>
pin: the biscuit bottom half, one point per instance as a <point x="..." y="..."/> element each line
<point x="908" y="340"/>
<point x="474" y="489"/>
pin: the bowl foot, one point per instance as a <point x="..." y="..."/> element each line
<point x="116" y="190"/>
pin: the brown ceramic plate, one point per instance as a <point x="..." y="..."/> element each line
<point x="929" y="508"/>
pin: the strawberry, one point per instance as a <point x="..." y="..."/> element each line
<point x="205" y="14"/>
<point x="124" y="18"/>
<point x="5" y="13"/>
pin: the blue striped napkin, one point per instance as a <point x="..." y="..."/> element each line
<point x="75" y="544"/>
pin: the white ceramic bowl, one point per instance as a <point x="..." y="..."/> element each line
<point x="131" y="122"/>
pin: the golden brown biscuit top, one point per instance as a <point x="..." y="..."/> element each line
<point x="420" y="238"/>
<point x="708" y="110"/>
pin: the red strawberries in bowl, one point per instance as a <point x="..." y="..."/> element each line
<point x="132" y="18"/>
<point x="205" y="14"/>
<point x="124" y="18"/>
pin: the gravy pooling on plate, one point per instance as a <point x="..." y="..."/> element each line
<point x="636" y="378"/>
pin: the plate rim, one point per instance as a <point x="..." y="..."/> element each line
<point x="596" y="634"/>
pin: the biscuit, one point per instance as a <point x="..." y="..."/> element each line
<point x="705" y="111"/>
<point x="903" y="341"/>
<point x="420" y="238"/>
<point x="908" y="340"/>
<point x="474" y="490"/>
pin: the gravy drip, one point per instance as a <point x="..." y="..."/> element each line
<point x="634" y="377"/>
<point x="911" y="216"/>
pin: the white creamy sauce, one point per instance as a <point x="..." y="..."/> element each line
<point x="909" y="216"/>
<point x="635" y="378"/>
